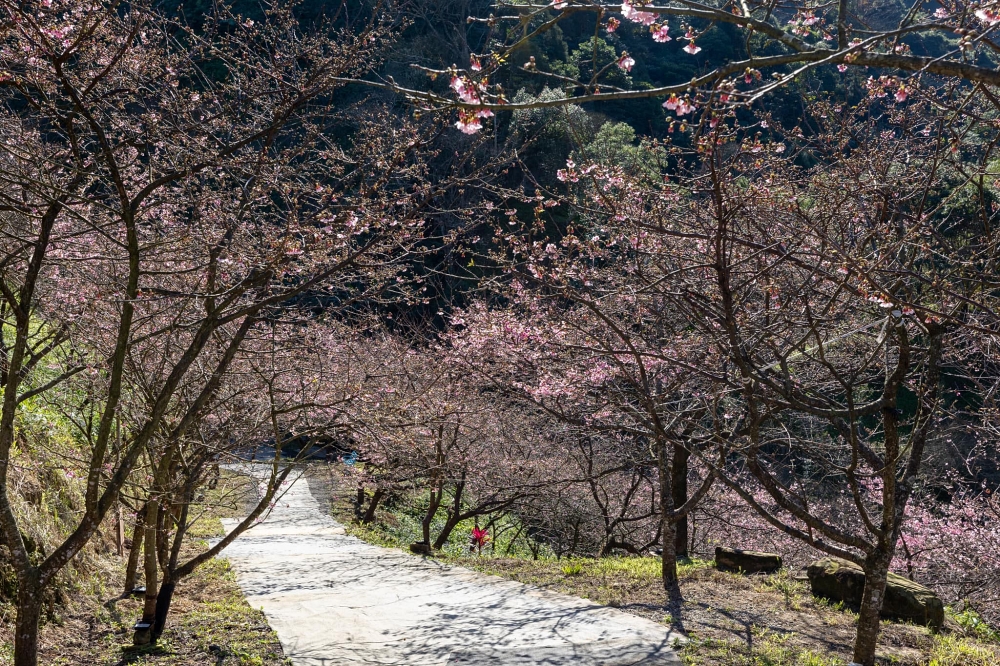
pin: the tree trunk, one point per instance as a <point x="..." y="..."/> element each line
<point x="163" y="599"/>
<point x="149" y="552"/>
<point x="372" y="506"/>
<point x="668" y="557"/>
<point x="162" y="537"/>
<point x="679" y="491"/>
<point x="133" y="555"/>
<point x="359" y="501"/>
<point x="432" y="508"/>
<point x="29" y="612"/>
<point x="454" y="514"/>
<point x="453" y="520"/>
<point x="119" y="532"/>
<point x="876" y="575"/>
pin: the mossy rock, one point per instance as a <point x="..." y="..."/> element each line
<point x="746" y="561"/>
<point x="905" y="600"/>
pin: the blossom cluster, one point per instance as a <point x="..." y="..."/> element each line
<point x="470" y="92"/>
<point x="882" y="85"/>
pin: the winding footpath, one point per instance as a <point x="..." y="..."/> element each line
<point x="337" y="601"/>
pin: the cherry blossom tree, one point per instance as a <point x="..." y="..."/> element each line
<point x="165" y="193"/>
<point x="837" y="301"/>
<point x="421" y="416"/>
<point x="779" y="46"/>
<point x="291" y="380"/>
<point x="586" y="347"/>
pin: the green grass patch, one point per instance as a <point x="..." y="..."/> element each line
<point x="951" y="650"/>
<point x="572" y="569"/>
<point x="974" y="625"/>
<point x="230" y="626"/>
<point x="767" y="648"/>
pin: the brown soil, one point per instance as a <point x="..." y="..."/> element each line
<point x="721" y="607"/>
<point x="209" y="619"/>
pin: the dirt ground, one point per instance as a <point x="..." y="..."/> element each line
<point x="210" y="624"/>
<point x="722" y="609"/>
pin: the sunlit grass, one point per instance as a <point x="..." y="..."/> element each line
<point x="950" y="650"/>
<point x="768" y="648"/>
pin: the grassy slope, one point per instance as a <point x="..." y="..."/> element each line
<point x="209" y="619"/>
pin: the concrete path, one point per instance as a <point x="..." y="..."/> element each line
<point x="337" y="601"/>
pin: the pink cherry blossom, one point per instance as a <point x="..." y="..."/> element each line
<point x="680" y="106"/>
<point x="637" y="16"/>
<point x="465" y="89"/>
<point x="626" y="62"/>
<point x="988" y="16"/>
<point x="691" y="48"/>
<point x="468" y="122"/>
<point x="661" y="33"/>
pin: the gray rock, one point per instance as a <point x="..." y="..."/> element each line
<point x="746" y="561"/>
<point x="421" y="548"/>
<point x="905" y="600"/>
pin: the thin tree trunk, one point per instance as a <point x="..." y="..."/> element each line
<point x="163" y="599"/>
<point x="513" y="541"/>
<point x="29" y="612"/>
<point x="668" y="557"/>
<point x="372" y="506"/>
<point x="149" y="552"/>
<point x="119" y="532"/>
<point x="876" y="575"/>
<point x="454" y="515"/>
<point x="359" y="501"/>
<point x="171" y="574"/>
<point x="432" y="508"/>
<point x="679" y="491"/>
<point x="162" y="537"/>
<point x="133" y="555"/>
<point x="668" y="527"/>
<point x="453" y="520"/>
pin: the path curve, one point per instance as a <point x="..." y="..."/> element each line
<point x="337" y="601"/>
